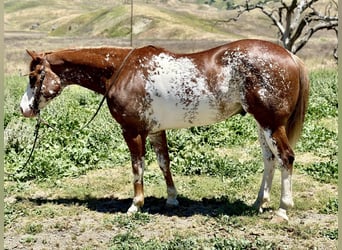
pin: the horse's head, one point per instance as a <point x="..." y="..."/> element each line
<point x="43" y="86"/>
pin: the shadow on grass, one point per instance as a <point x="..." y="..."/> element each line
<point x="187" y="207"/>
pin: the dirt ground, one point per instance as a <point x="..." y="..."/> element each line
<point x="54" y="218"/>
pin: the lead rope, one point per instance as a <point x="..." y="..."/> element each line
<point x="40" y="120"/>
<point x="36" y="133"/>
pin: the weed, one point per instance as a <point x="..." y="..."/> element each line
<point x="28" y="240"/>
<point x="331" y="207"/>
<point x="237" y="244"/>
<point x="62" y="226"/>
<point x="33" y="228"/>
<point x="331" y="234"/>
<point x="129" y="222"/>
<point x="323" y="97"/>
<point x="326" y="172"/>
<point x="125" y="241"/>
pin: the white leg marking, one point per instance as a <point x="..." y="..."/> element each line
<point x="172" y="197"/>
<point x="171" y="190"/>
<point x="138" y="198"/>
<point x="133" y="208"/>
<point x="269" y="169"/>
<point x="272" y="145"/>
<point x="138" y="178"/>
<point x="286" y="200"/>
<point x="164" y="165"/>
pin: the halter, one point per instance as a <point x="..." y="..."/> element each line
<point x="37" y="94"/>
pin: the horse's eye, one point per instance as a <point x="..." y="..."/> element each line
<point x="32" y="80"/>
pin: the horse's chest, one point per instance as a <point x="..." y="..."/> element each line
<point x="179" y="95"/>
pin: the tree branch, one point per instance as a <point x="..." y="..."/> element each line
<point x="296" y="20"/>
<point x="306" y="37"/>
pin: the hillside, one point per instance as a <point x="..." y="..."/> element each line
<point x="154" y="21"/>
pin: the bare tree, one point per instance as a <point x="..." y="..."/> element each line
<point x="296" y="20"/>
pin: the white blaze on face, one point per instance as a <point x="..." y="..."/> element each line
<point x="27" y="102"/>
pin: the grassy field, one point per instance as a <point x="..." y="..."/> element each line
<point x="77" y="187"/>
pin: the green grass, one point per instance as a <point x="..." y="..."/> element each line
<point x="131" y="241"/>
<point x="317" y="137"/>
<point x="90" y="22"/>
<point x="69" y="151"/>
<point x="72" y="172"/>
<point x="192" y="21"/>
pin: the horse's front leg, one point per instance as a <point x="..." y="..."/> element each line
<point x="159" y="143"/>
<point x="136" y="145"/>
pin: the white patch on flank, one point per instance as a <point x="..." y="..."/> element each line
<point x="179" y="95"/>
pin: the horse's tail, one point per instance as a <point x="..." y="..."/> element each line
<point x="295" y="123"/>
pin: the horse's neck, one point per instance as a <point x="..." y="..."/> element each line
<point x="90" y="68"/>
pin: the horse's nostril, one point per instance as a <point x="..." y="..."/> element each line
<point x="27" y="113"/>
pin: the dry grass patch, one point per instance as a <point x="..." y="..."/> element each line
<point x="89" y="212"/>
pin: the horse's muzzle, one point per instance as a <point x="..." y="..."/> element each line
<point x="29" y="113"/>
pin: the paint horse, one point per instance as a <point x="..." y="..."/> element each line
<point x="150" y="89"/>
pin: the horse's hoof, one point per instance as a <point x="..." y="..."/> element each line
<point x="259" y="206"/>
<point x="133" y="209"/>
<point x="280" y="216"/>
<point x="172" y="202"/>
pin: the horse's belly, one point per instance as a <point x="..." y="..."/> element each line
<point x="173" y="114"/>
<point x="177" y="115"/>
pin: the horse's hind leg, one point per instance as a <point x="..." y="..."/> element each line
<point x="159" y="143"/>
<point x="279" y="145"/>
<point x="269" y="168"/>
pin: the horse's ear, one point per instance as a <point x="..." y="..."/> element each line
<point x="35" y="56"/>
